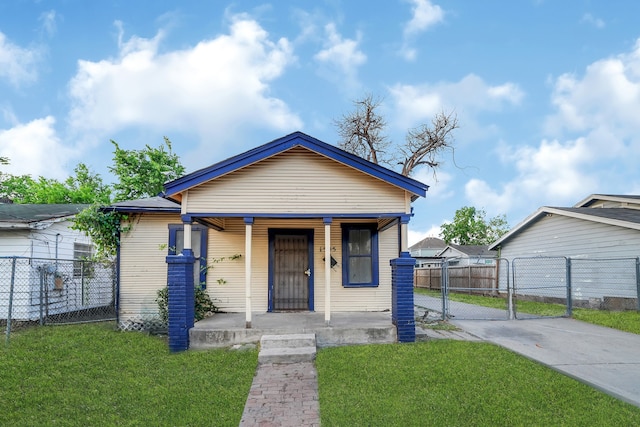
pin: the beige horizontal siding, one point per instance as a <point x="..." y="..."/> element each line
<point x="143" y="268"/>
<point x="297" y="181"/>
<point x="230" y="296"/>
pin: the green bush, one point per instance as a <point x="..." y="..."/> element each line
<point x="204" y="306"/>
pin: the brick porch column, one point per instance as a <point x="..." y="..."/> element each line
<point x="402" y="297"/>
<point x="181" y="299"/>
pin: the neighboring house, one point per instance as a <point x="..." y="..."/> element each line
<point x="426" y="252"/>
<point x="596" y="228"/>
<point x="600" y="226"/>
<point x="315" y="229"/>
<point x="462" y="255"/>
<point x="37" y="249"/>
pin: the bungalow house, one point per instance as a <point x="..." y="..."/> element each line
<point x="462" y="255"/>
<point x="597" y="241"/>
<point x="40" y="271"/>
<point x="426" y="252"/>
<point x="293" y="225"/>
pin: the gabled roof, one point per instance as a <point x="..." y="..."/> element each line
<point x="428" y="243"/>
<point x="151" y="204"/>
<point x="14" y="215"/>
<point x="634" y="199"/>
<point x="621" y="217"/>
<point x="280" y="145"/>
<point x="471" y="250"/>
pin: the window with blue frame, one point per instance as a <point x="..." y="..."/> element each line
<point x="198" y="246"/>
<point x="359" y="255"/>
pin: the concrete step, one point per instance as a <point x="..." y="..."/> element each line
<point x="288" y="341"/>
<point x="289" y="348"/>
<point x="287" y="355"/>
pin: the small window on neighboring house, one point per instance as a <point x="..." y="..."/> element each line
<point x="360" y="255"/>
<point x="198" y="246"/>
<point x="81" y="255"/>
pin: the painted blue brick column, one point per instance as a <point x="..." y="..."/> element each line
<point x="181" y="299"/>
<point x="402" y="297"/>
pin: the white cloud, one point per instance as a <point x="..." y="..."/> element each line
<point x="18" y="64"/>
<point x="608" y="95"/>
<point x="600" y="110"/>
<point x="34" y="149"/>
<point x="439" y="185"/>
<point x="48" y="20"/>
<point x="592" y="20"/>
<point x="415" y="104"/>
<point x="213" y="89"/>
<point x="414" y="236"/>
<point x="340" y="58"/>
<point x="551" y="173"/>
<point x="424" y="15"/>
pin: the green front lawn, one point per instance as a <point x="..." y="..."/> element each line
<point x="454" y="383"/>
<point x="92" y="375"/>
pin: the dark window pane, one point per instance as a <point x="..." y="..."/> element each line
<point x="360" y="270"/>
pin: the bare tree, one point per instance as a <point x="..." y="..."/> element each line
<point x="362" y="133"/>
<point x="425" y="144"/>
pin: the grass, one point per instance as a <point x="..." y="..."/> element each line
<point x="454" y="383"/>
<point x="628" y="321"/>
<point x="93" y="375"/>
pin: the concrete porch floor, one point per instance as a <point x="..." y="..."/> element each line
<point x="345" y="328"/>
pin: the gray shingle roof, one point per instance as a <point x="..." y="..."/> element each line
<point x="19" y="213"/>
<point x="151" y="204"/>
<point x="621" y="214"/>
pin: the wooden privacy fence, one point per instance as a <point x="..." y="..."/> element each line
<point x="473" y="279"/>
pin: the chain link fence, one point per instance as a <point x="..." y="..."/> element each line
<point x="595" y="283"/>
<point x="42" y="291"/>
<point x="459" y="286"/>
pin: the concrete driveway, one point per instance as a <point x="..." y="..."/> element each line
<point x="604" y="358"/>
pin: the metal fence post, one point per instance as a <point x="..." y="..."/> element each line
<point x="638" y="282"/>
<point x="10" y="308"/>
<point x="444" y="289"/>
<point x="511" y="290"/>
<point x="569" y="301"/>
<point x="40" y="300"/>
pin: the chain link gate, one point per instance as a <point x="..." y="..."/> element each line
<point x="542" y="280"/>
<point x="475" y="291"/>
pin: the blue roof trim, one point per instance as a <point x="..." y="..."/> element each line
<point x="283" y="144"/>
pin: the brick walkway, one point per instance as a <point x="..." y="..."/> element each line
<point x="284" y="395"/>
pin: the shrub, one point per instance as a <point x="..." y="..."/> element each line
<point x="204" y="306"/>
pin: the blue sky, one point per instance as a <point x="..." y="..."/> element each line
<point x="547" y="93"/>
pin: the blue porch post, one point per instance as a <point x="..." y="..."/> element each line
<point x="181" y="298"/>
<point x="402" y="297"/>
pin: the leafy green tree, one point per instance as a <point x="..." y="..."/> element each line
<point x="470" y="227"/>
<point x="142" y="173"/>
<point x="83" y="187"/>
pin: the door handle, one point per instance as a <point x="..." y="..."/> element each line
<point x="308" y="272"/>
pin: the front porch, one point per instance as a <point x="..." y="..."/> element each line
<point x="346" y="328"/>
